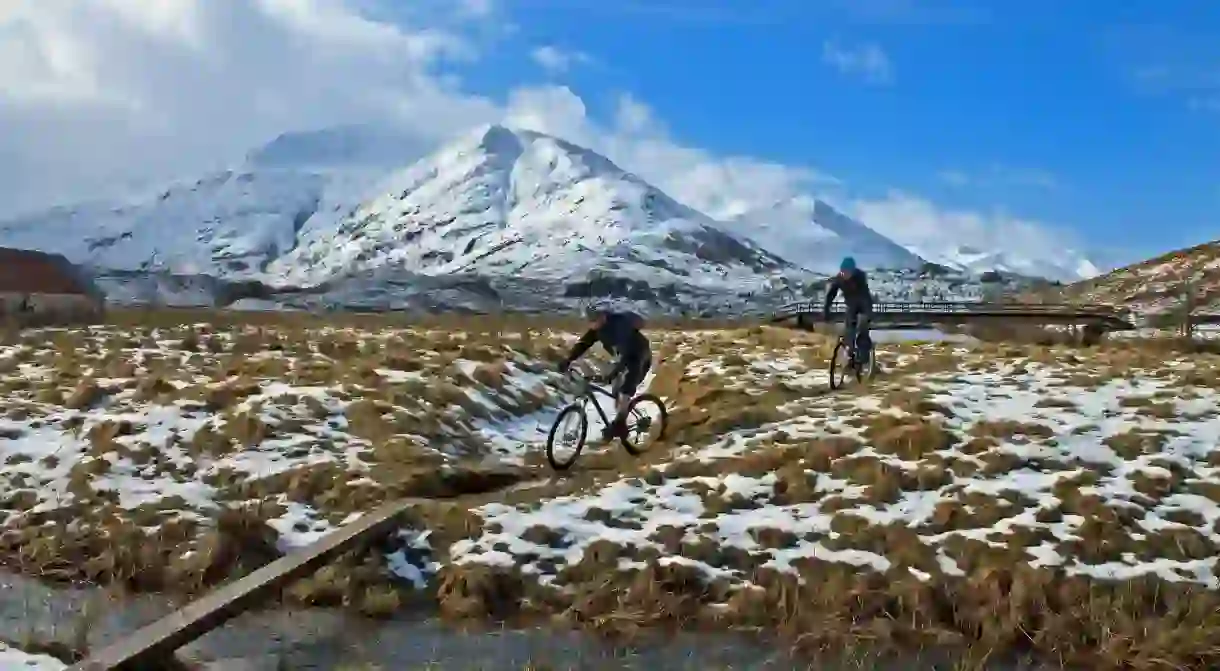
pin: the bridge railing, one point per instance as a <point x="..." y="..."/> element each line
<point x="965" y="308"/>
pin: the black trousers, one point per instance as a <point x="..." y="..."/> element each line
<point x="856" y="328"/>
<point x="638" y="365"/>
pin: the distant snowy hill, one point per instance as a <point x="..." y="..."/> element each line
<point x="227" y="224"/>
<point x="1064" y="265"/>
<point x="814" y="235"/>
<point x="967" y="244"/>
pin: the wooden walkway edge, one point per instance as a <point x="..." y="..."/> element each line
<point x="151" y="645"/>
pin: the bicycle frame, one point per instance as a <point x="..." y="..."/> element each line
<point x="589" y="394"/>
<point x="853" y="348"/>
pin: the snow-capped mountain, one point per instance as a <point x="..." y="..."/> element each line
<point x="812" y="234"/>
<point x="231" y="223"/>
<point x="227" y="224"/>
<point x="356" y="212"/>
<point x="968" y="242"/>
<point x="505" y="202"/>
<point x="1064" y="265"/>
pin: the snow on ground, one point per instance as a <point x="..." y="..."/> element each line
<point x="960" y="459"/>
<point x="13" y="658"/>
<point x="158" y="428"/>
<point x="1101" y="467"/>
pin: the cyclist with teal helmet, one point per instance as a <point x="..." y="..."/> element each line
<point x="857" y="301"/>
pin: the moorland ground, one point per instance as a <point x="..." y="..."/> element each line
<point x="991" y="497"/>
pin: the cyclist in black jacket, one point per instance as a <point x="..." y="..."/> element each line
<point x="858" y="301"/>
<point x="619" y="333"/>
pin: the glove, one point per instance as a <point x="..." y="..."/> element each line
<point x="564" y="366"/>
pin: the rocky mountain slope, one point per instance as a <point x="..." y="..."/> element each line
<point x="1159" y="283"/>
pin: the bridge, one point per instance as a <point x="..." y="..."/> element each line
<point x="1208" y="318"/>
<point x="922" y="315"/>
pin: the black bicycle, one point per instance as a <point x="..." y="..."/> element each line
<point x="845" y="360"/>
<point x="646" y="415"/>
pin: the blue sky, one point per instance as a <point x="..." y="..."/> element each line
<point x="997" y="124"/>
<point x="1103" y="117"/>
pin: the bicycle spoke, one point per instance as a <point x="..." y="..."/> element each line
<point x="645" y="424"/>
<point x="571" y="429"/>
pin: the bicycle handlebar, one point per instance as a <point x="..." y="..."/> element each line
<point x="591" y="379"/>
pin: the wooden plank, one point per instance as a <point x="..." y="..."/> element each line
<point x="155" y="642"/>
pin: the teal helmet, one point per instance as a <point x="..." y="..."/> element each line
<point x="848" y="264"/>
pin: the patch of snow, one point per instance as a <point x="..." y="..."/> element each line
<point x="13" y="659"/>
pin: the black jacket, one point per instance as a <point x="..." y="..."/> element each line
<point x="620" y="335"/>
<point x="856" y="296"/>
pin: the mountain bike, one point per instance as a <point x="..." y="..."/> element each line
<point x="846" y="359"/>
<point x="645" y="413"/>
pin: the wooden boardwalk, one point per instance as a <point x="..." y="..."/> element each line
<point x="152" y="646"/>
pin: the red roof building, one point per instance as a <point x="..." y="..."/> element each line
<point x="24" y="271"/>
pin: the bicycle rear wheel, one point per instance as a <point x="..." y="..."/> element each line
<point x="868" y="367"/>
<point x="647" y="420"/>
<point x="562" y="460"/>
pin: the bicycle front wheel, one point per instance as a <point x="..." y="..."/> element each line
<point x="839" y="365"/>
<point x="571" y="424"/>
<point x="646" y="423"/>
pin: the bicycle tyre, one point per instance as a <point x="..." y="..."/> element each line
<point x="662" y="417"/>
<point x="560" y="464"/>
<point x="834" y="360"/>
<point x="866" y="371"/>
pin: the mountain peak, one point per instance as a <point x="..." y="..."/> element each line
<point x="504" y="201"/>
<point x="816" y="236"/>
<point x="495" y="139"/>
<point x="337" y="147"/>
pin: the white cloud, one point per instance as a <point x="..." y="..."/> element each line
<point x="94" y="93"/>
<point x="637" y="141"/>
<point x="954" y="177"/>
<point x="922" y="225"/>
<point x="477" y="8"/>
<point x="868" y="61"/>
<point x="1209" y="104"/>
<point x="557" y="61"/>
<point x="97" y="94"/>
<point x="1168" y="60"/>
<point x="1000" y="175"/>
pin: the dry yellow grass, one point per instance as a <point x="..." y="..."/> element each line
<point x="177" y="450"/>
